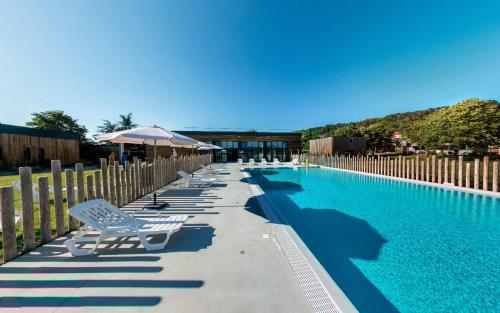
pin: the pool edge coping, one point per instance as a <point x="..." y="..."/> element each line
<point x="340" y="301"/>
<point x="420" y="182"/>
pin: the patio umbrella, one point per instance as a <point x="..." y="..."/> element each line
<point x="150" y="135"/>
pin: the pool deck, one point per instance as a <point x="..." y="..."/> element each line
<point x="223" y="260"/>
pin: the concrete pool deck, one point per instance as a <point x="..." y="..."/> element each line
<point x="224" y="260"/>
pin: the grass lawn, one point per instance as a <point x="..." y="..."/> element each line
<point x="7" y="178"/>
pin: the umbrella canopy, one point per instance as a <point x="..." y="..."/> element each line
<point x="209" y="146"/>
<point x="150" y="135"/>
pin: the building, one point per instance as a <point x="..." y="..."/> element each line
<point x="24" y="146"/>
<point x="250" y="145"/>
<point x="337" y="145"/>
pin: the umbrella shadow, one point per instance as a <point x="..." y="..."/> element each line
<point x="335" y="238"/>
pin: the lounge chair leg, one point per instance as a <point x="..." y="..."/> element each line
<point x="153" y="246"/>
<point x="71" y="245"/>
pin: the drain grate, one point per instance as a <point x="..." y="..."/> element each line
<point x="314" y="290"/>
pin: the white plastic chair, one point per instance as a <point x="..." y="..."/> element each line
<point x="195" y="181"/>
<point x="110" y="222"/>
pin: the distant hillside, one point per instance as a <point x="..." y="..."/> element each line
<point x="401" y="122"/>
<point x="469" y="123"/>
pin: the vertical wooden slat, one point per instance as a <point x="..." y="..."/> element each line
<point x="104" y="174"/>
<point x="460" y="170"/>
<point x="58" y="197"/>
<point x="412" y="174"/>
<point x="111" y="172"/>
<point x="136" y="182"/>
<point x="8" y="212"/>
<point x="133" y="182"/>
<point x="90" y="187"/>
<point x="118" y="185"/>
<point x="127" y="182"/>
<point x="440" y="171"/>
<point x="467" y="175"/>
<point x="43" y="191"/>
<point x="124" y="187"/>
<point x="28" y="215"/>
<point x="433" y="169"/>
<point x="98" y="186"/>
<point x="446" y="166"/>
<point x="453" y="167"/>
<point x="422" y="170"/>
<point x="427" y="169"/>
<point x="417" y="168"/>
<point x="486" y="167"/>
<point x="70" y="199"/>
<point x="476" y="174"/>
<point x="80" y="183"/>
<point x="495" y="177"/>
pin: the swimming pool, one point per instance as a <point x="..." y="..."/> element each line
<point x="393" y="246"/>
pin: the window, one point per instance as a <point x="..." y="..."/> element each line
<point x="1" y="153"/>
<point x="27" y="154"/>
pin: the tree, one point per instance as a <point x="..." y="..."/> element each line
<point x="57" y="121"/>
<point x="378" y="136"/>
<point x="125" y="122"/>
<point x="473" y="122"/>
<point x="348" y="131"/>
<point x="107" y="127"/>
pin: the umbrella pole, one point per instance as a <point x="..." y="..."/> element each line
<point x="154" y="169"/>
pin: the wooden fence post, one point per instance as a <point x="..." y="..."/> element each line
<point x="98" y="186"/>
<point x="427" y="169"/>
<point x="486" y="167"/>
<point x="90" y="187"/>
<point x="417" y="168"/>
<point x="453" y="166"/>
<point x="70" y="199"/>
<point x="476" y="174"/>
<point x="80" y="184"/>
<point x="58" y="197"/>
<point x="104" y="174"/>
<point x="495" y="177"/>
<point x="28" y="215"/>
<point x="124" y="187"/>
<point x="118" y="185"/>
<point x="45" y="228"/>
<point x="412" y="173"/>
<point x="460" y="170"/>
<point x="128" y="184"/>
<point x="467" y="175"/>
<point x="8" y="212"/>
<point x="133" y="181"/>
<point x="111" y="172"/>
<point x="440" y="170"/>
<point x="433" y="169"/>
<point x="422" y="170"/>
<point x="446" y="166"/>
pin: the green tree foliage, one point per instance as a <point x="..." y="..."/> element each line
<point x="57" y="121"/>
<point x="107" y="127"/>
<point x="378" y="136"/>
<point x="473" y="123"/>
<point x="124" y="122"/>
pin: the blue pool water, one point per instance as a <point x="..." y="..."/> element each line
<point x="393" y="246"/>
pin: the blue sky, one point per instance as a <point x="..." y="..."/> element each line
<point x="244" y="64"/>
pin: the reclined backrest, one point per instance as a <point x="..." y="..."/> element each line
<point x="101" y="215"/>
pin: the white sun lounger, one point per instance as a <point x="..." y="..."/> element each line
<point x="110" y="222"/>
<point x="263" y="162"/>
<point x="195" y="181"/>
<point x="295" y="162"/>
<point x="251" y="162"/>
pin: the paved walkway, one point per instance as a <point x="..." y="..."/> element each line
<point x="222" y="261"/>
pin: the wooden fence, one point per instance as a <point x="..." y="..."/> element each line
<point x="119" y="184"/>
<point x="429" y="169"/>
